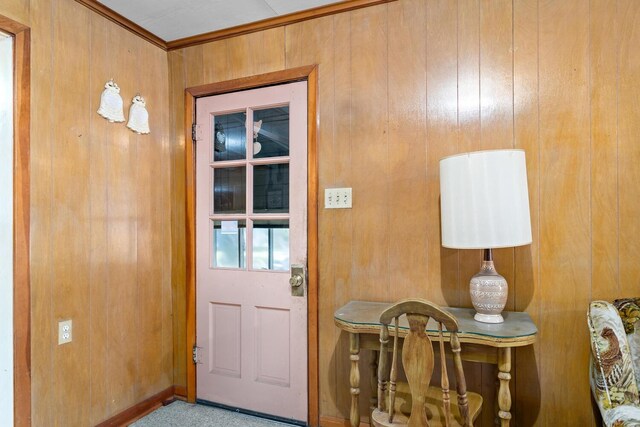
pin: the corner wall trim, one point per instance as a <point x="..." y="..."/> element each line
<point x="251" y="27"/>
<point x="276" y="21"/>
<point x="125" y="23"/>
<point x="139" y="409"/>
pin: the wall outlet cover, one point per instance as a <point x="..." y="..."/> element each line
<point x="65" y="331"/>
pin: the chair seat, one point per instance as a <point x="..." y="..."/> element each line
<point x="435" y="412"/>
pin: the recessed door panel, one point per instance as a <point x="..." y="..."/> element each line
<point x="273" y="346"/>
<point x="225" y="336"/>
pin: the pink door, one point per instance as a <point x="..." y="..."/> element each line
<point x="251" y="227"/>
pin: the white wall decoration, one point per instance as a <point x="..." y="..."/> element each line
<point x="138" y="116"/>
<point x="111" y="103"/>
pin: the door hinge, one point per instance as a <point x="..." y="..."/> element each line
<point x="195" y="354"/>
<point x="196" y="134"/>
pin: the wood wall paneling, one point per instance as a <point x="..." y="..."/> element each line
<point x="42" y="326"/>
<point x="523" y="73"/>
<point x="628" y="149"/>
<point x="16" y="10"/>
<point x="560" y="98"/>
<point x="122" y="291"/>
<point x="407" y="158"/>
<point x="442" y="117"/>
<point x="165" y="205"/>
<point x="526" y="287"/>
<point x="565" y="215"/>
<point x="336" y="244"/>
<point x="178" y="219"/>
<point x="99" y="273"/>
<point x="603" y="55"/>
<point x="496" y="132"/>
<point x="86" y="223"/>
<point x="369" y="141"/>
<point x="70" y="219"/>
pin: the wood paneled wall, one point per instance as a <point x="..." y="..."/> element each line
<point x="18" y="10"/>
<point x="100" y="218"/>
<point x="406" y="83"/>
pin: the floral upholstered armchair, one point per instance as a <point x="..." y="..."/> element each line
<point x="615" y="360"/>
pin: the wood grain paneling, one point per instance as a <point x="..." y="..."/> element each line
<point x="628" y="149"/>
<point x="122" y="244"/>
<point x="41" y="208"/>
<point x="603" y="54"/>
<point x="442" y="117"/>
<point x="338" y="249"/>
<point x="407" y="157"/>
<point x="557" y="79"/>
<point x="75" y="205"/>
<point x="16" y="10"/>
<point x="99" y="274"/>
<point x="70" y="219"/>
<point x="526" y="289"/>
<point x="496" y="131"/>
<point x="178" y="219"/>
<point x="565" y="220"/>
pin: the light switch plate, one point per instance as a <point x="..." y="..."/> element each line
<point x="337" y="198"/>
<point x="65" y="331"/>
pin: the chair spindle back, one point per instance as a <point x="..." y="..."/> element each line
<point x="418" y="360"/>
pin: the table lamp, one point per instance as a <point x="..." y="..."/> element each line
<point x="484" y="204"/>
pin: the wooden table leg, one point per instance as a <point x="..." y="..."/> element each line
<point x="504" y="395"/>
<point x="354" y="377"/>
<point x="373" y="401"/>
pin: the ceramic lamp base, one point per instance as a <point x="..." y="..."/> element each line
<point x="489" y="318"/>
<point x="489" y="292"/>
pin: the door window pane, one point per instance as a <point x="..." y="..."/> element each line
<point x="230" y="190"/>
<point x="271" y="245"/>
<point x="271" y="188"/>
<point x="229" y="137"/>
<point x="272" y="139"/>
<point x="229" y="244"/>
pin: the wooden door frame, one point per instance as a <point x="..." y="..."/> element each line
<point x="21" y="208"/>
<point x="309" y="74"/>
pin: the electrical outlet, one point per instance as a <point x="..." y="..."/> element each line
<point x="337" y="198"/>
<point x="65" y="330"/>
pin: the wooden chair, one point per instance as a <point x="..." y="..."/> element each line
<point x="429" y="406"/>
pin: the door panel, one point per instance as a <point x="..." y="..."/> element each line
<point x="251" y="225"/>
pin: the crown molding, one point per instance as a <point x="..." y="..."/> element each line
<point x="125" y="23"/>
<point x="252" y="27"/>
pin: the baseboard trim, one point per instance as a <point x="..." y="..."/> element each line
<point x="138" y="410"/>
<point x="337" y="422"/>
<point x="180" y="391"/>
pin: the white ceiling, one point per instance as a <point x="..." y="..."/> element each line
<point x="175" y="19"/>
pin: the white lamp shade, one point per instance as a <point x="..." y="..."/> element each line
<point x="484" y="200"/>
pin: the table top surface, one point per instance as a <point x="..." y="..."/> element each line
<point x="364" y="316"/>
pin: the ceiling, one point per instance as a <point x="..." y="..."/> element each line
<point x="176" y="19"/>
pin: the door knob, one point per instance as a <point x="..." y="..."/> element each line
<point x="296" y="280"/>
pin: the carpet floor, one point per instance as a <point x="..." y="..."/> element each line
<point x="181" y="414"/>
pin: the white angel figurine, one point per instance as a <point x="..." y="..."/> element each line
<point x="138" y="116"/>
<point x="111" y="103"/>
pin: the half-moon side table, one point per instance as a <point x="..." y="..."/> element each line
<point x="484" y="342"/>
